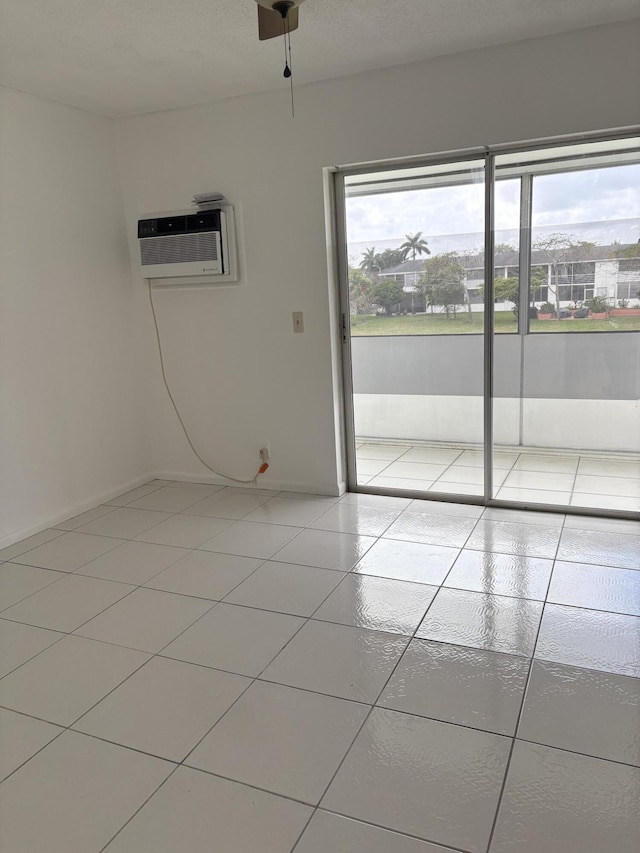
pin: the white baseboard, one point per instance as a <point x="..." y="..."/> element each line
<point x="72" y="510"/>
<point x="332" y="489"/>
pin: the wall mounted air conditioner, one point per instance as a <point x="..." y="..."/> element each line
<point x="187" y="248"/>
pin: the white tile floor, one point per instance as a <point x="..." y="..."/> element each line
<point x="601" y="481"/>
<point x="195" y="668"/>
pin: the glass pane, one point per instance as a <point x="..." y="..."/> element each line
<point x="566" y="407"/>
<point x="507" y="348"/>
<point x="416" y="279"/>
<point x="506" y="267"/>
<point x="585" y="254"/>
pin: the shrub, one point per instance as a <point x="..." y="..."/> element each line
<point x="598" y="305"/>
<point x="386" y="293"/>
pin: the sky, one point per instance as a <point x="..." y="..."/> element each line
<point x="599" y="205"/>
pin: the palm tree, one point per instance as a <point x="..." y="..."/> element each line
<point x="415" y="244"/>
<point x="370" y="262"/>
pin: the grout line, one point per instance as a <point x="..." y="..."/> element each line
<point x="102" y="739"/>
<point x="26" y="761"/>
<point x="573" y="484"/>
<point x="536" y="452"/>
<point x="152" y="794"/>
<point x="95" y="616"/>
<point x="68" y="727"/>
<point x="251" y="683"/>
<point x="223" y="600"/>
<point x="307" y="689"/>
<point x="411" y="637"/>
<point x="108" y="507"/>
<point x="392" y="832"/>
<point x="121" y="506"/>
<point x="57" y="534"/>
<point x="324" y="793"/>
<point x="135" y="587"/>
<point x="55" y="642"/>
<point x="355" y="736"/>
<point x="506" y="476"/>
<point x="263" y="680"/>
<point x="523" y="700"/>
<point x="366" y="719"/>
<point x="563" y="559"/>
<point x="247" y="784"/>
<point x="29" y="595"/>
<point x="575" y="752"/>
<point x="304" y="829"/>
<point x="217" y="601"/>
<point x="167" y="515"/>
<point x="80" y="573"/>
<point x="151" y="656"/>
<point x="255" y="678"/>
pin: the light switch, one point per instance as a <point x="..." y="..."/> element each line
<point x="298" y="321"/>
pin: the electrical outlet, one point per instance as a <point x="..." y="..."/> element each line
<point x="265" y="454"/>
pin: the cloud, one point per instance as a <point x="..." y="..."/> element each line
<point x="451" y="217"/>
<point x="589" y="196"/>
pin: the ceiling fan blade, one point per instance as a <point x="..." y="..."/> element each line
<point x="271" y="24"/>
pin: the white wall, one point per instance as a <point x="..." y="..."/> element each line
<point x="70" y="424"/>
<point x="240" y="374"/>
<point x="82" y="410"/>
<point x="596" y="425"/>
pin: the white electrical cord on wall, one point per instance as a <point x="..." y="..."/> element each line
<point x="253" y="480"/>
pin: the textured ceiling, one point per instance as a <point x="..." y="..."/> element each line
<point x="121" y="57"/>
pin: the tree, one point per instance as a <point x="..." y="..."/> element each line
<point x="370" y="262"/>
<point x="504" y="247"/>
<point x="442" y="282"/>
<point x="390" y="258"/>
<point x="415" y="244"/>
<point x="557" y="250"/>
<point x="387" y="293"/>
<point x="538" y="278"/>
<point x="632" y="251"/>
<point x="359" y="292"/>
<point x="469" y="259"/>
<point x="507" y="290"/>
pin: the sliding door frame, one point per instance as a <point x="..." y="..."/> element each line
<point x="489" y="325"/>
<point x="338" y="174"/>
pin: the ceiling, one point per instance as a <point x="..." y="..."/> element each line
<point x="122" y="57"/>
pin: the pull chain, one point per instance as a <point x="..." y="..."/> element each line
<point x="287" y="70"/>
<point x="288" y="74"/>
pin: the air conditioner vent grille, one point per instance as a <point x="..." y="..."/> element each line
<point x="180" y="248"/>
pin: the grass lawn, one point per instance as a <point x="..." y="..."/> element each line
<point x="437" y="324"/>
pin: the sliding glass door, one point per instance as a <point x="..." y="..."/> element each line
<point x="415" y="322"/>
<point x="566" y="405"/>
<point x="491" y="326"/>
